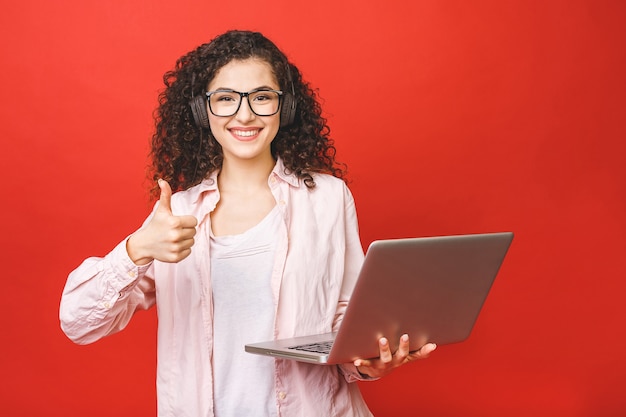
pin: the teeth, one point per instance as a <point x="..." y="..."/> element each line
<point x="247" y="133"/>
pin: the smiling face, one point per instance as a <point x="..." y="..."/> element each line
<point x="244" y="135"/>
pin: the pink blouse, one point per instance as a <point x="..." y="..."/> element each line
<point x="318" y="257"/>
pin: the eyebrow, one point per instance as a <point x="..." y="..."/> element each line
<point x="263" y="87"/>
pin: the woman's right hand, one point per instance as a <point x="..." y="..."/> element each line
<point x="167" y="238"/>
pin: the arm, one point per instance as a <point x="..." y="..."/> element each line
<point x="374" y="368"/>
<point x="353" y="262"/>
<point x="102" y="294"/>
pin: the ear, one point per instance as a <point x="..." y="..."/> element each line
<point x="287" y="110"/>
<point x="199" y="112"/>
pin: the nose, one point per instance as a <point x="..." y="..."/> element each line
<point x="245" y="113"/>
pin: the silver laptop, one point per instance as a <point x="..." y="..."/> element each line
<point x="430" y="288"/>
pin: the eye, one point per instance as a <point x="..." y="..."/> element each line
<point x="224" y="97"/>
<point x="263" y="97"/>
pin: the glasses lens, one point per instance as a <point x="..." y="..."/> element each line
<point x="227" y="103"/>
<point x="264" y="103"/>
<point x="224" y="103"/>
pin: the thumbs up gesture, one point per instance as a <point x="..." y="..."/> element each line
<point x="167" y="238"/>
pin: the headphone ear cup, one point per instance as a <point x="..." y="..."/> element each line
<point x="199" y="112"/>
<point x="287" y="110"/>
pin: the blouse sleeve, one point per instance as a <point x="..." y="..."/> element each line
<point x="102" y="294"/>
<point x="353" y="261"/>
<point x="353" y="258"/>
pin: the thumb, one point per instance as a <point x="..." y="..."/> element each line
<point x="165" y="200"/>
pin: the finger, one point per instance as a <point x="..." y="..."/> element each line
<point x="176" y="256"/>
<point x="427" y="349"/>
<point x="182" y="224"/>
<point x="424" y="351"/>
<point x="363" y="363"/>
<point x="165" y="199"/>
<point x="188" y="222"/>
<point x="183" y="246"/>
<point x="185" y="234"/>
<point x="385" y="352"/>
<point x="403" y="348"/>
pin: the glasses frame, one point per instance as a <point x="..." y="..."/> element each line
<point x="247" y="96"/>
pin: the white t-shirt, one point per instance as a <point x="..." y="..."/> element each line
<point x="241" y="268"/>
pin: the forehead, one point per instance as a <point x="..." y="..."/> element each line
<point x="244" y="75"/>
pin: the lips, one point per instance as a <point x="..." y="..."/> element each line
<point x="245" y="133"/>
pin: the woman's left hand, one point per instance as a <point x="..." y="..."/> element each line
<point x="388" y="361"/>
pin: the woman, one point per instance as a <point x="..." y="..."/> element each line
<point x="260" y="241"/>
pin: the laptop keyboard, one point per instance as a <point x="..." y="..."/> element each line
<point x="320" y="347"/>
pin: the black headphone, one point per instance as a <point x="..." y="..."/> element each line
<point x="287" y="106"/>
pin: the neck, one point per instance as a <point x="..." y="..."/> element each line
<point x="245" y="174"/>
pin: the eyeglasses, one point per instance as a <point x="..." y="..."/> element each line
<point x="226" y="103"/>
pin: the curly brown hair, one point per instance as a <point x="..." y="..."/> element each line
<point x="184" y="153"/>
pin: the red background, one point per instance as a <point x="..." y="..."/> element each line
<point x="454" y="117"/>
